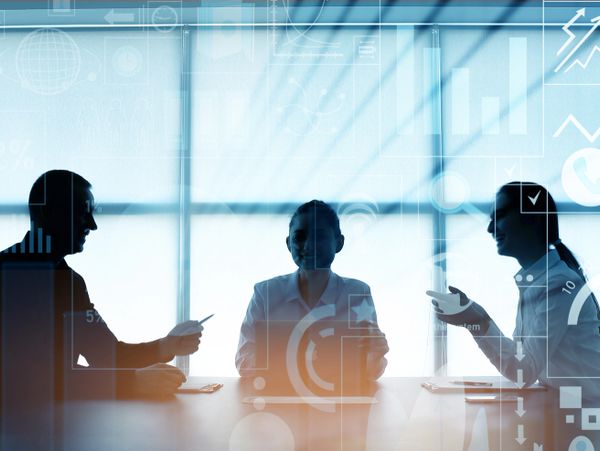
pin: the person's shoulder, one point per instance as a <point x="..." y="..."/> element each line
<point x="561" y="274"/>
<point x="354" y="285"/>
<point x="279" y="282"/>
<point x="14" y="256"/>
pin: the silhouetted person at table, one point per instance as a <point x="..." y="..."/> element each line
<point x="48" y="320"/>
<point x="547" y="345"/>
<point x="314" y="240"/>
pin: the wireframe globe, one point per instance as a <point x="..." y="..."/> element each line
<point x="48" y="61"/>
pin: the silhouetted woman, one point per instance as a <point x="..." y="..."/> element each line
<point x="313" y="241"/>
<point x="557" y="325"/>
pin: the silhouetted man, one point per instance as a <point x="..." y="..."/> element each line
<point x="48" y="321"/>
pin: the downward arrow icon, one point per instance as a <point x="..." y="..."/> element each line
<point x="520" y="411"/>
<point x="519" y="355"/>
<point x="520" y="382"/>
<point x="520" y="438"/>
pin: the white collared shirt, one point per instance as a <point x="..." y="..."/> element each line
<point x="545" y="346"/>
<point x="279" y="299"/>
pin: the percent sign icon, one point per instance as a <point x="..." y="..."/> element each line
<point x="16" y="152"/>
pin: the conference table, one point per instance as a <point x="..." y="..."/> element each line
<point x="241" y="416"/>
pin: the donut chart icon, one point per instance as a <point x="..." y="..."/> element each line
<point x="326" y="311"/>
<point x="582" y="296"/>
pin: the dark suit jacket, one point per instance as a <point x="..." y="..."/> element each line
<point x="47" y="321"/>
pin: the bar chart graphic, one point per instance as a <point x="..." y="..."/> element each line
<point x="490" y="107"/>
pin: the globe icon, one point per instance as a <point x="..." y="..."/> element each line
<point x="48" y="61"/>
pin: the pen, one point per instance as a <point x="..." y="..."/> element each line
<point x="206" y="319"/>
<point x="472" y="383"/>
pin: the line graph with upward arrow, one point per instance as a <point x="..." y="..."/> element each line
<point x="595" y="24"/>
<point x="565" y="28"/>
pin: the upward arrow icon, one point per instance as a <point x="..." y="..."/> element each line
<point x="565" y="28"/>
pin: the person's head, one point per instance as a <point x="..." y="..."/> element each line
<point x="62" y="204"/>
<point x="524" y="218"/>
<point x="314" y="235"/>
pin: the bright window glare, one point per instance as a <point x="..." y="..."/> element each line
<point x="230" y="253"/>
<point x="271" y="126"/>
<point x="391" y="254"/>
<point x="130" y="268"/>
<point x="12" y="229"/>
<point x="107" y="108"/>
<point x="475" y="267"/>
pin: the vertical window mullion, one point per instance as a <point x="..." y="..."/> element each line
<point x="440" y="342"/>
<point x="183" y="298"/>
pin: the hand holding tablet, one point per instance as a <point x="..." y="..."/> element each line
<point x="456" y="308"/>
<point x="449" y="303"/>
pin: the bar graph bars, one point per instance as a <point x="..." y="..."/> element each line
<point x="37" y="243"/>
<point x="461" y="101"/>
<point x="490" y="106"/>
<point x="517" y="86"/>
<point x="405" y="80"/>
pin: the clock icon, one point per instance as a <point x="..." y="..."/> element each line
<point x="127" y="61"/>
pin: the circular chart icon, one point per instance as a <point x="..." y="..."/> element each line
<point x="127" y="61"/>
<point x="449" y="192"/>
<point x="581" y="177"/>
<point x="48" y="61"/>
<point x="164" y="18"/>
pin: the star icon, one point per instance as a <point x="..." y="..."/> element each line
<point x="364" y="312"/>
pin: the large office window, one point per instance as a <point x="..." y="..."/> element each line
<point x="374" y="119"/>
<point x="280" y="118"/>
<point x="104" y="104"/>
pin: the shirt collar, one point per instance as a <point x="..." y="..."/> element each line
<point x="328" y="297"/>
<point x="532" y="275"/>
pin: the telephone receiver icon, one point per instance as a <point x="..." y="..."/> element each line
<point x="589" y="180"/>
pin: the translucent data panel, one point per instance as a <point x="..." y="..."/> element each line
<point x="273" y="121"/>
<point x="477" y="179"/>
<point x="392" y="254"/>
<point x="96" y="102"/>
<point x="130" y="267"/>
<point x="230" y="253"/>
<point x="474" y="266"/>
<point x="492" y="91"/>
<point x="579" y="233"/>
<point x="571" y="93"/>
